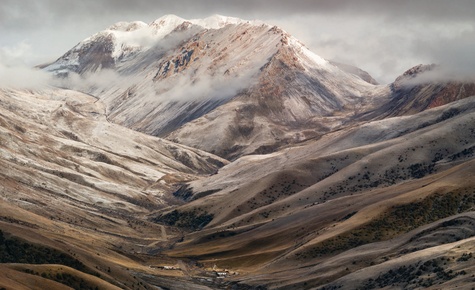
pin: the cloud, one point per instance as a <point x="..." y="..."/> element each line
<point x="15" y="73"/>
<point x="104" y="79"/>
<point x="451" y="50"/>
<point x="92" y="82"/>
<point x="15" y="55"/>
<point x="203" y="86"/>
<point x="436" y="10"/>
<point x="441" y="74"/>
<point x="186" y="86"/>
<point x="22" y="77"/>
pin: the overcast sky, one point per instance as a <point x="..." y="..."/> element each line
<point x="382" y="37"/>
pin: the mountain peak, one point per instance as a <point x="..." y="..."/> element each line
<point x="167" y="20"/>
<point x="127" y="26"/>
<point x="416" y="70"/>
<point x="407" y="79"/>
<point x="217" y="21"/>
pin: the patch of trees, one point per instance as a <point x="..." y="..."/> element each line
<point x="348" y="216"/>
<point x="70" y="135"/>
<point x="367" y="180"/>
<point x="286" y="187"/>
<point x="450" y="113"/>
<point x="184" y="192"/>
<point x="467" y="152"/>
<point x="66" y="279"/>
<point x="16" y="250"/>
<point x="465" y="257"/>
<point x="412" y="275"/>
<point x="395" y="221"/>
<point x="419" y="170"/>
<point x="192" y="220"/>
<point x="101" y="157"/>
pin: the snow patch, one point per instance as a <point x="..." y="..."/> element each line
<point x="306" y="52"/>
<point x="217" y="21"/>
<point x="128" y="26"/>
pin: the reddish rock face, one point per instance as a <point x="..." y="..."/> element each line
<point x="408" y="96"/>
<point x="452" y="92"/>
<point x="429" y="94"/>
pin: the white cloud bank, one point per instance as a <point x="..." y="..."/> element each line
<point x="14" y="71"/>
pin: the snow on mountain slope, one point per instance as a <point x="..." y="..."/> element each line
<point x="201" y="74"/>
<point x="296" y="96"/>
<point x="230" y="86"/>
<point x="184" y="69"/>
<point x="73" y="181"/>
<point x="123" y="39"/>
<point x="61" y="134"/>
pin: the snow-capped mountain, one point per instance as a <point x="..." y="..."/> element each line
<point x="115" y="44"/>
<point x="157" y="78"/>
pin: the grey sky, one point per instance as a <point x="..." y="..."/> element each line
<point x="383" y="37"/>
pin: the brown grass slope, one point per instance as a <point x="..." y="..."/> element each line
<point x="302" y="206"/>
<point x="26" y="276"/>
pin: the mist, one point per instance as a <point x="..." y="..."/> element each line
<point x="15" y="73"/>
<point x="90" y="82"/>
<point x="442" y="74"/>
<point x="201" y="85"/>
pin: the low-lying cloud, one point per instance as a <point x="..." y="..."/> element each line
<point x="452" y="51"/>
<point x="441" y="74"/>
<point x="189" y="88"/>
<point x="23" y="77"/>
<point x="90" y="82"/>
<point x="15" y="73"/>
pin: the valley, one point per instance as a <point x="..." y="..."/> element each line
<point x="223" y="154"/>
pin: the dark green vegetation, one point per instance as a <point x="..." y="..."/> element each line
<point x="16" y="250"/>
<point x="66" y="279"/>
<point x="421" y="274"/>
<point x="395" y="221"/>
<point x="193" y="220"/>
<point x="411" y="275"/>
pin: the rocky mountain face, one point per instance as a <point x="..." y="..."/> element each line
<point x="330" y="181"/>
<point x="234" y="87"/>
<point x="295" y="97"/>
<point x="172" y="85"/>
<point x="411" y="93"/>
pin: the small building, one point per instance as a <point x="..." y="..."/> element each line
<point x="167" y="267"/>
<point x="222" y="274"/>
